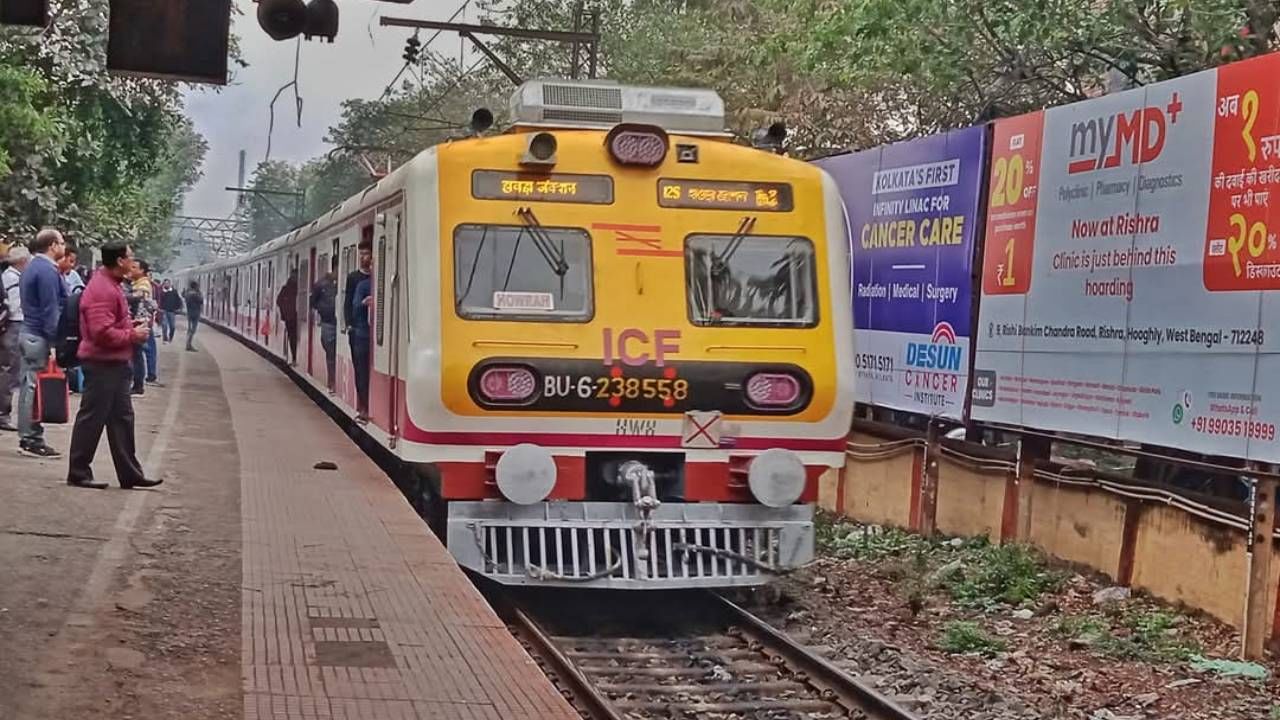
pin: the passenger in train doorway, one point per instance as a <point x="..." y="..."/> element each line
<point x="356" y="308"/>
<point x="324" y="301"/>
<point x="109" y="335"/>
<point x="195" y="308"/>
<point x="287" y="304"/>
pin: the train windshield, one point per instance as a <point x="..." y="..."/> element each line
<point x="750" y="280"/>
<point x="522" y="272"/>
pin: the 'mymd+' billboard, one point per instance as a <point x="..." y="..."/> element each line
<point x="913" y="210"/>
<point x="1131" y="266"/>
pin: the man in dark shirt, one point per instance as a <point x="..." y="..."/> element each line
<point x="324" y="300"/>
<point x="43" y="295"/>
<point x="195" y="308"/>
<point x="357" y="340"/>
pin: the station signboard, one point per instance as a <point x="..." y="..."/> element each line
<point x="1130" y="264"/>
<point x="913" y="211"/>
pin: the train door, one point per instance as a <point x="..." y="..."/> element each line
<point x="384" y="319"/>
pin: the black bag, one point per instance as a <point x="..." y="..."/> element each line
<point x="53" y="401"/>
<point x="68" y="345"/>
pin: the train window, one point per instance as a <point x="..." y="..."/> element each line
<point x="521" y="273"/>
<point x="751" y="280"/>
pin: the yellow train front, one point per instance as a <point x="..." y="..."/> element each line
<point x="641" y="366"/>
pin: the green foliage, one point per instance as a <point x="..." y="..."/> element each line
<point x="874" y="544"/>
<point x="1134" y="634"/>
<point x="272" y="212"/>
<point x="962" y="636"/>
<point x="98" y="155"/>
<point x="990" y="575"/>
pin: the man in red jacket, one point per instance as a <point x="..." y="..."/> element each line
<point x="108" y="336"/>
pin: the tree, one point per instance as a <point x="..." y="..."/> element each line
<point x="270" y="211"/>
<point x="100" y="156"/>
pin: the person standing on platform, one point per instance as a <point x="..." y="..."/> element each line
<point x="43" y="295"/>
<point x="170" y="306"/>
<point x="287" y="304"/>
<point x="75" y="284"/>
<point x="324" y="301"/>
<point x="133" y="298"/>
<point x="108" y="336"/>
<point x="359" y="347"/>
<point x="195" y="308"/>
<point x="10" y="324"/>
<point x="146" y="287"/>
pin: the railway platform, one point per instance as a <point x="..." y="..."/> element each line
<point x="250" y="584"/>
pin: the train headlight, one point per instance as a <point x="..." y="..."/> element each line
<point x="631" y="144"/>
<point x="772" y="390"/>
<point x="541" y="149"/>
<point x="776" y="477"/>
<point x="526" y="474"/>
<point x="508" y="384"/>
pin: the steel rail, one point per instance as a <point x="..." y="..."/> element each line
<point x="589" y="698"/>
<point x="846" y="690"/>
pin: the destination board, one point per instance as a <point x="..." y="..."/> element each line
<point x="555" y="187"/>
<point x="724" y="195"/>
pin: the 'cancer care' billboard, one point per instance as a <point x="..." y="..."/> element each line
<point x="1130" y="266"/>
<point x="913" y="220"/>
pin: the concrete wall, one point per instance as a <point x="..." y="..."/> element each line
<point x="1171" y="553"/>
<point x="828" y="490"/>
<point x="1078" y="524"/>
<point x="970" y="501"/>
<point x="879" y="491"/>
<point x="1183" y="558"/>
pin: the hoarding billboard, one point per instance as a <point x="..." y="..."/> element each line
<point x="1129" y="266"/>
<point x="913" y="212"/>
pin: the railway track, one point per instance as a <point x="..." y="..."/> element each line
<point x="705" y="657"/>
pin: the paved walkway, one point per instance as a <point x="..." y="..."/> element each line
<point x="127" y="604"/>
<point x="351" y="608"/>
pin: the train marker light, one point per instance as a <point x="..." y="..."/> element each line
<point x="526" y="474"/>
<point x="772" y="138"/>
<point x="632" y="144"/>
<point x="541" y="149"/>
<point x="776" y="478"/>
<point x="772" y="390"/>
<point x="508" y="384"/>
<point x="481" y="120"/>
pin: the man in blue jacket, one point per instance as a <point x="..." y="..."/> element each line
<point x="43" y="295"/>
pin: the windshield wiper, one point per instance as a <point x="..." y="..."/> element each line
<point x="475" y="264"/>
<point x="546" y="247"/>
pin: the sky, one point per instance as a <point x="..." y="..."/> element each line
<point x="359" y="64"/>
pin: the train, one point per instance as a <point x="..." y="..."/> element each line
<point x="614" y="346"/>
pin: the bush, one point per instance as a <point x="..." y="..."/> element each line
<point x="1148" y="635"/>
<point x="870" y="543"/>
<point x="960" y="636"/>
<point x="994" y="574"/>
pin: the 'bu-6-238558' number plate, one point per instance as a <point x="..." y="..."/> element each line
<point x="676" y="386"/>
